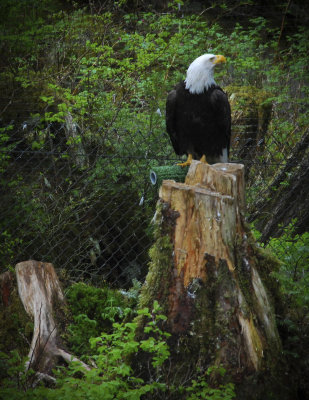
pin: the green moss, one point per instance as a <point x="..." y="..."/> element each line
<point x="92" y="311"/>
<point x="159" y="268"/>
<point x="158" y="279"/>
<point x="90" y="300"/>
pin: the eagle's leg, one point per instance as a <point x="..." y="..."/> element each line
<point x="203" y="159"/>
<point x="188" y="162"/>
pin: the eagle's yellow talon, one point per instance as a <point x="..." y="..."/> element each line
<point x="186" y="163"/>
<point x="203" y="159"/>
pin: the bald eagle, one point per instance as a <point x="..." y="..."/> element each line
<point x="198" y="114"/>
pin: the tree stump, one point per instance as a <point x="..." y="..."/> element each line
<point x="209" y="276"/>
<point x="40" y="292"/>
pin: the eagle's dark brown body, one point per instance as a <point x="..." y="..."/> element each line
<point x="199" y="124"/>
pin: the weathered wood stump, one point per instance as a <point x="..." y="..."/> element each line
<point x="41" y="294"/>
<point x="209" y="276"/>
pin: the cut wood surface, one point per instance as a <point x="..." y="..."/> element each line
<point x="41" y="294"/>
<point x="209" y="205"/>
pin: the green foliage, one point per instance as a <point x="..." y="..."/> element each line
<point x="107" y="72"/>
<point x="113" y="71"/>
<point x="15" y="379"/>
<point x="114" y="376"/>
<point x="293" y="252"/>
<point x="293" y="276"/>
<point x="93" y="311"/>
<point x="105" y="76"/>
<point x="201" y="389"/>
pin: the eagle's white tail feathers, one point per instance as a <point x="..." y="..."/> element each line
<point x="224" y="158"/>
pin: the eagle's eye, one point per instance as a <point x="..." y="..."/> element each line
<point x="212" y="58"/>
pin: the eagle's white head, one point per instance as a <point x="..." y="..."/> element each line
<point x="200" y="74"/>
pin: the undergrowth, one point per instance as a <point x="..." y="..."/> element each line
<point x="113" y="375"/>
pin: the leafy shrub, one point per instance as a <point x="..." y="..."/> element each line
<point x="114" y="377"/>
<point x="293" y="252"/>
<point x="93" y="311"/>
<point x="15" y="381"/>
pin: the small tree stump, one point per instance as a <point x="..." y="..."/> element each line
<point x="209" y="276"/>
<point x="40" y="292"/>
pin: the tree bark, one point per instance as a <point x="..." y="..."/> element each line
<point x="41" y="294"/>
<point x="209" y="276"/>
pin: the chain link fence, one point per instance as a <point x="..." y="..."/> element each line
<point x="84" y="201"/>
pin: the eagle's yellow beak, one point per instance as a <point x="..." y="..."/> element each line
<point x="219" y="59"/>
